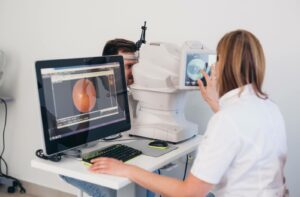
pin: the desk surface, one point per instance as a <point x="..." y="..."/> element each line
<point x="74" y="168"/>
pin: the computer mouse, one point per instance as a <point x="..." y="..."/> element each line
<point x="159" y="143"/>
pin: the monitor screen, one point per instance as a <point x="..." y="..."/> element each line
<point x="193" y="60"/>
<point x="196" y="62"/>
<point x="81" y="100"/>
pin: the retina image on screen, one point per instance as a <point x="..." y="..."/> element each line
<point x="195" y="62"/>
<point x="82" y="103"/>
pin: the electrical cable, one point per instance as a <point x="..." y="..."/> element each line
<point x="40" y="154"/>
<point x="3" y="140"/>
<point x="16" y="183"/>
<point x="158" y="171"/>
<point x="185" y="168"/>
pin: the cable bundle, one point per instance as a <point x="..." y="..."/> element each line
<point x="4" y="174"/>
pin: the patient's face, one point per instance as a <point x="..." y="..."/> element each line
<point x="128" y="63"/>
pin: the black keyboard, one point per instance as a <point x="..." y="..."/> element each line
<point x="117" y="151"/>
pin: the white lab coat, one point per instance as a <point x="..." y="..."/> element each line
<point x="244" y="148"/>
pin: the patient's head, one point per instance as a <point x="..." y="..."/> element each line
<point x="128" y="50"/>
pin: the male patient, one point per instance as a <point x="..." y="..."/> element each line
<point x="128" y="50"/>
<point x="125" y="48"/>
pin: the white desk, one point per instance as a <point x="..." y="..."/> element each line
<point x="74" y="168"/>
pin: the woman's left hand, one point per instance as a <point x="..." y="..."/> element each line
<point x="111" y="166"/>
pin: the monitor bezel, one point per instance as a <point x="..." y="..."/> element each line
<point x="52" y="147"/>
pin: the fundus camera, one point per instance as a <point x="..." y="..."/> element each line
<point x="163" y="76"/>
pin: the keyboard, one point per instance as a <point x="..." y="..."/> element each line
<point x="117" y="151"/>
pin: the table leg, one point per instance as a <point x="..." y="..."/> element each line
<point x="128" y="191"/>
<point x="80" y="193"/>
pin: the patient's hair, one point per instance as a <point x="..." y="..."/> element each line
<point x="241" y="61"/>
<point x="112" y="47"/>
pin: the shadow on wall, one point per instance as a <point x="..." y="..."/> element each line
<point x="197" y="110"/>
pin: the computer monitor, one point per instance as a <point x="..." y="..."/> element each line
<point x="81" y="100"/>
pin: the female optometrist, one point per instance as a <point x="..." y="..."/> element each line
<point x="243" y="151"/>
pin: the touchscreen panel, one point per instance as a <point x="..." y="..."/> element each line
<point x="195" y="62"/>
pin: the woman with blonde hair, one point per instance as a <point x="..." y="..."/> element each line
<point x="243" y="151"/>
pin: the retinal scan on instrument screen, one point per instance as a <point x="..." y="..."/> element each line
<point x="80" y="98"/>
<point x="195" y="62"/>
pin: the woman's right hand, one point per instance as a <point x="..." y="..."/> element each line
<point x="209" y="92"/>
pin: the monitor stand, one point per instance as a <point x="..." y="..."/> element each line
<point x="112" y="137"/>
<point x="77" y="152"/>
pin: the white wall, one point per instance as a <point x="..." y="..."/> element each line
<point x="38" y="29"/>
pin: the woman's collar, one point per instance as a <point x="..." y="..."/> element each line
<point x="237" y="93"/>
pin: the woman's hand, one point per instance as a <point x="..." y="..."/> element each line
<point x="210" y="93"/>
<point x="111" y="166"/>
